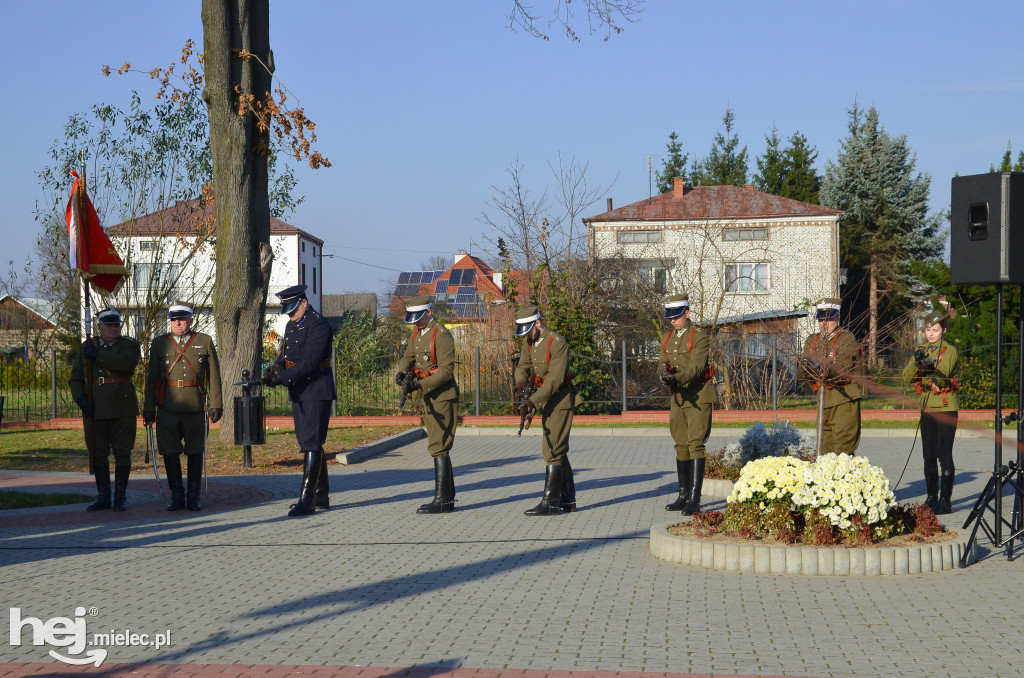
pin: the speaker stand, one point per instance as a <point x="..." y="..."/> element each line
<point x="991" y="498"/>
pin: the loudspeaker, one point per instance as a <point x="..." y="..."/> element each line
<point x="986" y="244"/>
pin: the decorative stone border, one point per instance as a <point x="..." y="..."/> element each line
<point x="806" y="560"/>
<point x="717" y="488"/>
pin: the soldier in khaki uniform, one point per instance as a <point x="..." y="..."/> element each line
<point x="933" y="370"/>
<point x="182" y="380"/>
<point x="114" y="405"/>
<point x="686" y="370"/>
<point x="544" y="363"/>
<point x="834" y="360"/>
<point x="429" y="366"/>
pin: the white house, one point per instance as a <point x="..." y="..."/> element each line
<point x="170" y="256"/>
<point x="743" y="256"/>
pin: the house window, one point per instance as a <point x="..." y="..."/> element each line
<point x="747" y="277"/>
<point x="638" y="236"/>
<point x="303" y="281"/>
<point x="730" y="234"/>
<point x="314" y="280"/>
<point x="159" y="276"/>
<point x="147" y="245"/>
<point x="303" y="246"/>
<point x="654" y="275"/>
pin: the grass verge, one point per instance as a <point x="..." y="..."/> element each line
<point x="15" y="499"/>
<point x="64" y="450"/>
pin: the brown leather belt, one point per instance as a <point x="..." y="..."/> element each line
<point x="181" y="383"/>
<point x="100" y="381"/>
<point x="289" y="364"/>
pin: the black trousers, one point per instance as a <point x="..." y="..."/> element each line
<point x="937" y="432"/>
<point x="312" y="418"/>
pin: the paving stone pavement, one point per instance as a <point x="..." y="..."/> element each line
<point x="372" y="584"/>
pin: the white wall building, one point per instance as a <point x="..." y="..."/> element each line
<point x="169" y="255"/>
<point x="741" y="255"/>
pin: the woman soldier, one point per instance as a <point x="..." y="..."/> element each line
<point x="933" y="370"/>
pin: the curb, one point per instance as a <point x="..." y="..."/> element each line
<point x="379" y="447"/>
<point x="806" y="560"/>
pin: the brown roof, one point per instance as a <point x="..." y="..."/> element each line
<point x="185" y="217"/>
<point x="714" y="202"/>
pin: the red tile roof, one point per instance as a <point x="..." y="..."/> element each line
<point x="185" y="217"/>
<point x="713" y="202"/>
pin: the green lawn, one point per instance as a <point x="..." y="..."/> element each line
<point x="64" y="450"/>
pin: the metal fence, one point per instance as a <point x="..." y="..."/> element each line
<point x="37" y="389"/>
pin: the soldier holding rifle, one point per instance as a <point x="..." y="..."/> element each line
<point x="833" y="360"/>
<point x="545" y="357"/>
<point x="933" y="370"/>
<point x="108" y="362"/>
<point x="182" y="380"/>
<point x="428" y="365"/>
<point x="304" y="366"/>
<point x="686" y="370"/>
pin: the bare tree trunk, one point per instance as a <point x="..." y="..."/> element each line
<point x="241" y="203"/>
<point x="873" y="314"/>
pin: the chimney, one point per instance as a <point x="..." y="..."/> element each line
<point x="678" y="187"/>
<point x="497" y="278"/>
<point x="458" y="257"/>
<point x="609" y="204"/>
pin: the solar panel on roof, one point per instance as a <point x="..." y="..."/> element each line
<point x="403" y="278"/>
<point x="468" y="275"/>
<point x="441" y="286"/>
<point x="456" y="277"/>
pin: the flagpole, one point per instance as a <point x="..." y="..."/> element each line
<point x="90" y="428"/>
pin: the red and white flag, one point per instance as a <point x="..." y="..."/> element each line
<point x="90" y="249"/>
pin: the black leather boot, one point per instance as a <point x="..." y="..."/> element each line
<point x="120" y="501"/>
<point x="195" y="482"/>
<point x="568" y="488"/>
<point x="307" y="494"/>
<point x="172" y="468"/>
<point x="685" y="475"/>
<point x="323" y="486"/>
<point x="444" y="488"/>
<point x="945" y="504"/>
<point x="551" y="504"/>
<point x="102" y="469"/>
<point x="931" y="485"/>
<point x="696" y="484"/>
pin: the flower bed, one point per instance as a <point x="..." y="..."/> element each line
<point x="836" y="499"/>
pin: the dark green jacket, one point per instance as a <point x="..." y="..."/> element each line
<point x="441" y="384"/>
<point x="198" y="364"/>
<point x="118" y="361"/>
<point x="689" y="365"/>
<point x="947" y="369"/>
<point x="553" y="394"/>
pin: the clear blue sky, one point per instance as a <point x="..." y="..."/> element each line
<point x="422" y="106"/>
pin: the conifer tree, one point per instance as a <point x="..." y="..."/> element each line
<point x="802" y="181"/>
<point x="772" y="168"/>
<point x="885" y="224"/>
<point x="672" y="166"/>
<point x="725" y="164"/>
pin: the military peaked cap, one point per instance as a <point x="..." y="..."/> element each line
<point x="291" y="298"/>
<point x="676" y="305"/>
<point x="526" y="318"/>
<point x="827" y="308"/>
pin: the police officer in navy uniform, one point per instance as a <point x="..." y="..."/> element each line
<point x="114" y="405"/>
<point x="430" y="357"/>
<point x="304" y="366"/>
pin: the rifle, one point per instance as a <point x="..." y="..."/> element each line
<point x="407" y="383"/>
<point x="526" y="419"/>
